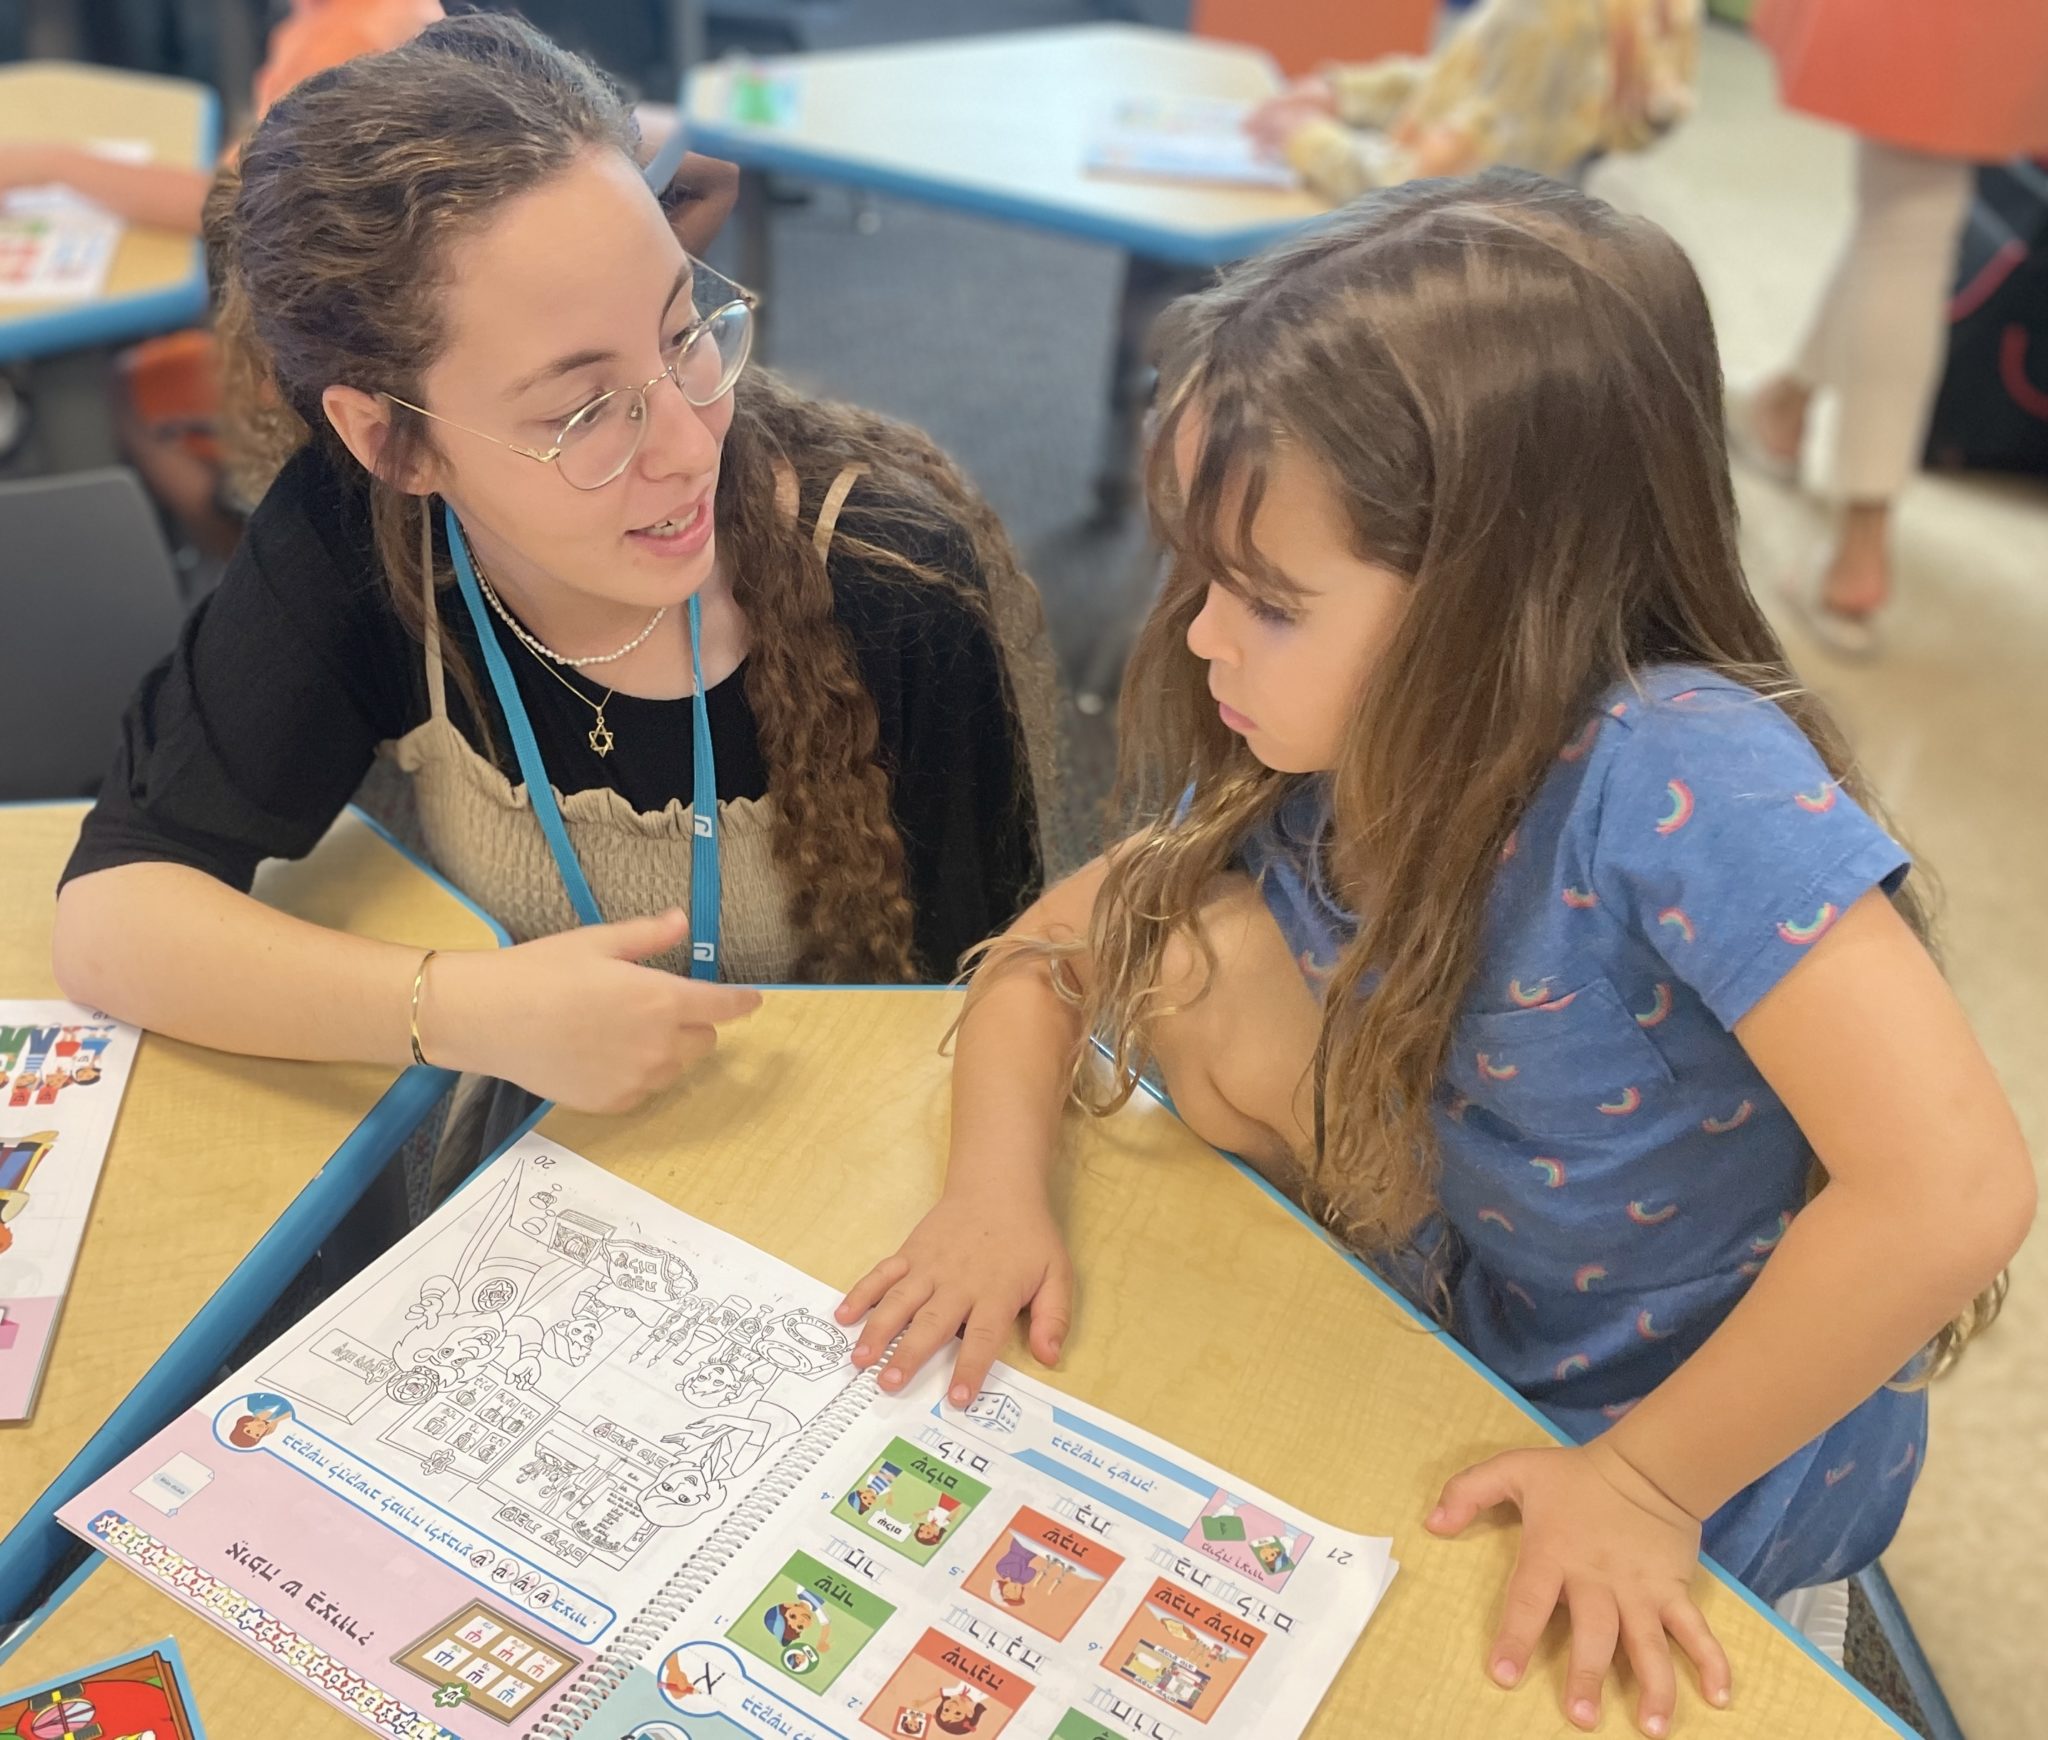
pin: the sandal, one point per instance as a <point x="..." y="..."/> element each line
<point x="1747" y="445"/>
<point x="1857" y="638"/>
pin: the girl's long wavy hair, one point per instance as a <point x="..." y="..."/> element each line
<point x="1516" y="393"/>
<point x="327" y="241"/>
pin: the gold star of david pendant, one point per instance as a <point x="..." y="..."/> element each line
<point x="601" y="737"/>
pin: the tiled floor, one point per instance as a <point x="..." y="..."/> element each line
<point x="1951" y="724"/>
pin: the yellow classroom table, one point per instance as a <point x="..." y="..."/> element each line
<point x="157" y="279"/>
<point x="1208" y="1312"/>
<point x="209" y="1148"/>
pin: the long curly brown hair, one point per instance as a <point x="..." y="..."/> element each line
<point x="326" y="240"/>
<point x="1517" y="392"/>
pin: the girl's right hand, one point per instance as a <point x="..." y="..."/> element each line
<point x="576" y="1018"/>
<point x="982" y="1255"/>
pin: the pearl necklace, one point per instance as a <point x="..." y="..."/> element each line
<point x="543" y="650"/>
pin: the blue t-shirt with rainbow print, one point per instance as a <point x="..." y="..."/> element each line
<point x="1615" y="1171"/>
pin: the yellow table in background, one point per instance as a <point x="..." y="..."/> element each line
<point x="209" y="1150"/>
<point x="1208" y="1312"/>
<point x="157" y="279"/>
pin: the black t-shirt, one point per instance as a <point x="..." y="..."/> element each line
<point x="248" y="740"/>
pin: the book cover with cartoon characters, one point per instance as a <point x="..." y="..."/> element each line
<point x="63" y="1070"/>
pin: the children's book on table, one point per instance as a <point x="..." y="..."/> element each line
<point x="568" y="1461"/>
<point x="1190" y="139"/>
<point x="63" y="1070"/>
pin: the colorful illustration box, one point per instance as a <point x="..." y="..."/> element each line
<point x="942" y="1688"/>
<point x="1042" y="1573"/>
<point x="810" y="1622"/>
<point x="1184" y="1651"/>
<point x="911" y="1501"/>
<point x="1250" y="1539"/>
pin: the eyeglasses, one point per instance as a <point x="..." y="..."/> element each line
<point x="596" y="445"/>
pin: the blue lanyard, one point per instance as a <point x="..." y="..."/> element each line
<point x="541" y="794"/>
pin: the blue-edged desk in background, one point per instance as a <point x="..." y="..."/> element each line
<point x="157" y="279"/>
<point x="1000" y="126"/>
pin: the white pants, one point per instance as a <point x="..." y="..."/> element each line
<point x="1881" y="331"/>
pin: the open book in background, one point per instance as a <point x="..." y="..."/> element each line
<point x="1184" y="139"/>
<point x="568" y="1461"/>
<point x="63" y="1070"/>
<point x="56" y="246"/>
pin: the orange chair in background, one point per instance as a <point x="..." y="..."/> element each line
<point x="1302" y="34"/>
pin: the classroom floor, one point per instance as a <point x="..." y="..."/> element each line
<point x="1950" y="725"/>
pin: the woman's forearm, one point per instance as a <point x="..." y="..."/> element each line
<point x="171" y="949"/>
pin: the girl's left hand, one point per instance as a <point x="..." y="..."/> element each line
<point x="1619" y="1554"/>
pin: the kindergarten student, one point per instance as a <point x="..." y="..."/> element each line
<point x="1502" y="897"/>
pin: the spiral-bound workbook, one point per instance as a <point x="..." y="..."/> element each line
<point x="567" y="1461"/>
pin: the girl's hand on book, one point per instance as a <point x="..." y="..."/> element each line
<point x="1601" y="1538"/>
<point x="576" y="1018"/>
<point x="982" y="1255"/>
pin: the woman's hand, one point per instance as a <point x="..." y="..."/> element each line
<point x="576" y="1018"/>
<point x="1279" y="118"/>
<point x="982" y="1255"/>
<point x="1620" y="1555"/>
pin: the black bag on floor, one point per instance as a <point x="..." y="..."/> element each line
<point x="1992" y="411"/>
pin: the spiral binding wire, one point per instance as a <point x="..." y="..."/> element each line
<point x="587" y="1693"/>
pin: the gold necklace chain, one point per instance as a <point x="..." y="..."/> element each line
<point x="600" y="739"/>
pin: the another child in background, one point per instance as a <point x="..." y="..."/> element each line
<point x="168" y="398"/>
<point x="1526" y="84"/>
<point x="1500" y="894"/>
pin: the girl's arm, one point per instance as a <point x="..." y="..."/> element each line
<point x="572" y="1017"/>
<point x="163" y="196"/>
<point x="1929" y="1194"/>
<point x="990" y="1247"/>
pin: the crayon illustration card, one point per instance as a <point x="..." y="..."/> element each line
<point x="1251" y="1540"/>
<point x="1184" y="1651"/>
<point x="138" y="1694"/>
<point x="910" y="1501"/>
<point x="943" y="1688"/>
<point x="809" y="1623"/>
<point x="1042" y="1573"/>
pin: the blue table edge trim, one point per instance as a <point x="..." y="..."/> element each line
<point x="434" y="876"/>
<point x="27" y="1627"/>
<point x="753" y="149"/>
<point x="1840" y="1675"/>
<point x="106" y="319"/>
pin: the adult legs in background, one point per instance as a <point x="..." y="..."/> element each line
<point x="1876" y="342"/>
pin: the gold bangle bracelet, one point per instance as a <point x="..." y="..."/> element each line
<point x="419" y="984"/>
